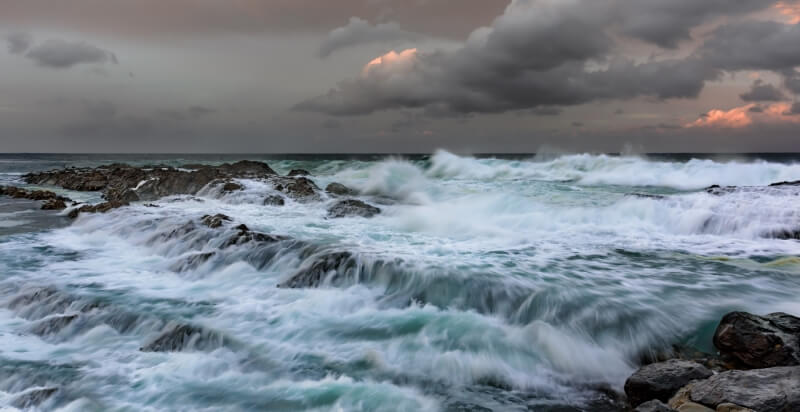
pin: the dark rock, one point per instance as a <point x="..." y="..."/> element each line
<point x="783" y="234"/>
<point x="352" y="207"/>
<point x="54" y="204"/>
<point x="646" y="196"/>
<point x="324" y="268"/>
<point x="192" y="262"/>
<point x="718" y="190"/>
<point x="231" y="187"/>
<point x="299" y="172"/>
<point x="793" y="183"/>
<point x="215" y="221"/>
<point x="246" y="235"/>
<point x="653" y="406"/>
<point x="301" y="189"/>
<point x="53" y="325"/>
<point x="98" y="208"/>
<point x="759" y="341"/>
<point x="274" y="200"/>
<point x="178" y="337"/>
<point x="340" y="190"/>
<point x="662" y="380"/>
<point x="763" y="390"/>
<point x="33" y="398"/>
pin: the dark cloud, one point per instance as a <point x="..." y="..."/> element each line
<point x="200" y="111"/>
<point x="61" y="54"/>
<point x="358" y="32"/>
<point x="762" y="92"/>
<point x="331" y="124"/>
<point x="791" y="80"/>
<point x="19" y="42"/>
<point x="794" y="110"/>
<point x="753" y="45"/>
<point x="547" y="111"/>
<point x="756" y="109"/>
<point x="666" y="23"/>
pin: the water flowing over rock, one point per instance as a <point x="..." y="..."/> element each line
<point x="352" y="207"/>
<point x="662" y="380"/>
<point x="178" y="337"/>
<point x="325" y="268"/>
<point x="760" y="341"/>
<point x="299" y="172"/>
<point x="300" y="189"/>
<point x="274" y="200"/>
<point x="33" y="398"/>
<point x="653" y="406"/>
<point x="215" y="221"/>
<point x="104" y="207"/>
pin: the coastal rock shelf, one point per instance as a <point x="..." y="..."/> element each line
<point x="764" y="351"/>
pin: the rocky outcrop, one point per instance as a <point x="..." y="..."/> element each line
<point x="793" y="183"/>
<point x="325" y="268"/>
<point x="179" y="337"/>
<point x="759" y="341"/>
<point x="662" y="380"/>
<point x="352" y="207"/>
<point x="339" y="189"/>
<point x="245" y="235"/>
<point x="763" y="390"/>
<point x="300" y="189"/>
<point x="214" y="221"/>
<point x="299" y="172"/>
<point x="51" y="201"/>
<point x="98" y="208"/>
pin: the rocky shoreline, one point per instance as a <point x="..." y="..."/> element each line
<point x="758" y="370"/>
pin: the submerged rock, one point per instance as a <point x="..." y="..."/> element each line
<point x="52" y="201"/>
<point x="793" y="183"/>
<point x="352" y="207"/>
<point x="33" y="398"/>
<point x="54" y="204"/>
<point x="299" y="172"/>
<point x="98" y="208"/>
<point x="53" y="324"/>
<point x="324" y="268"/>
<point x="245" y="235"/>
<point x="178" y="337"/>
<point x="230" y="187"/>
<point x="760" y="341"/>
<point x="340" y="190"/>
<point x="274" y="200"/>
<point x="763" y="390"/>
<point x="215" y="221"/>
<point x="662" y="380"/>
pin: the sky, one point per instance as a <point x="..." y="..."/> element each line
<point x="399" y="76"/>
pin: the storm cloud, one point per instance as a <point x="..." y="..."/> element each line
<point x="358" y="32"/>
<point x="62" y="54"/>
<point x="18" y="42"/>
<point x="762" y="92"/>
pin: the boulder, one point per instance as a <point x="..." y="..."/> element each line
<point x="274" y="200"/>
<point x="340" y="190"/>
<point x="230" y="187"/>
<point x="759" y="341"/>
<point x="299" y="172"/>
<point x="300" y="189"/>
<point x="764" y="390"/>
<point x="662" y="380"/>
<point x="653" y="406"/>
<point x="215" y="221"/>
<point x="54" y="204"/>
<point x="352" y="207"/>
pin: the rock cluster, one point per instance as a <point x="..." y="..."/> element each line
<point x="51" y="201"/>
<point x="764" y="373"/>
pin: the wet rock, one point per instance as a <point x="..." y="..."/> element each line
<point x="653" y="406"/>
<point x="299" y="172"/>
<point x="729" y="407"/>
<point x="340" y="190"/>
<point x="662" y="380"/>
<point x="759" y="341"/>
<point x="325" y="268"/>
<point x="192" y="262"/>
<point x="783" y="234"/>
<point x="246" y="235"/>
<point x="53" y="324"/>
<point x="793" y="183"/>
<point x="230" y="187"/>
<point x="274" y="200"/>
<point x="764" y="390"/>
<point x="301" y="189"/>
<point x="98" y="208"/>
<point x="718" y="190"/>
<point x="33" y="398"/>
<point x="215" y="221"/>
<point x="646" y="196"/>
<point x="178" y="337"/>
<point x="54" y="204"/>
<point x="352" y="207"/>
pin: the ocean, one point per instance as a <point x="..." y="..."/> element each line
<point x="505" y="283"/>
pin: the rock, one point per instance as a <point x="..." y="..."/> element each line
<point x="53" y="324"/>
<point x="98" y="208"/>
<point x="653" y="406"/>
<point x="783" y="234"/>
<point x="759" y="341"/>
<point x="274" y="200"/>
<point x="301" y="189"/>
<point x="192" y="262"/>
<point x="340" y="190"/>
<point x="299" y="172"/>
<point x="215" y="221"/>
<point x="662" y="380"/>
<point x="693" y="407"/>
<point x="352" y="207"/>
<point x="178" y="337"/>
<point x="764" y="390"/>
<point x="33" y="398"/>
<point x="231" y="187"/>
<point x="729" y="407"/>
<point x="793" y="183"/>
<point x="646" y="196"/>
<point x="54" y="204"/>
<point x="324" y="268"/>
<point x="718" y="190"/>
<point x="246" y="235"/>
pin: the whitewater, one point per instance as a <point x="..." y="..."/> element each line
<point x="485" y="283"/>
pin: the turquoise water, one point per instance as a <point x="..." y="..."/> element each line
<point x="525" y="283"/>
